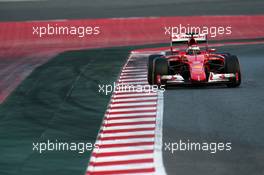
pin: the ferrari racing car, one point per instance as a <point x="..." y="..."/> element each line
<point x="193" y="65"/>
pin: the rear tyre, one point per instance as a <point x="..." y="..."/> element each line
<point x="232" y="66"/>
<point x="161" y="68"/>
<point x="151" y="66"/>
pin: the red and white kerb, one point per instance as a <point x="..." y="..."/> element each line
<point x="129" y="141"/>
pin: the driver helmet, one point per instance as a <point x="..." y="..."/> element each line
<point x="194" y="49"/>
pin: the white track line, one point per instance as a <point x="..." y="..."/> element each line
<point x="129" y="127"/>
<point x="131" y="76"/>
<point x="122" y="167"/>
<point x="136" y="94"/>
<point x="121" y="149"/>
<point x="133" y="104"/>
<point x="134" y="73"/>
<point x="160" y="169"/>
<point x="124" y="157"/>
<point x="133" y="70"/>
<point x="130" y="120"/>
<point x="131" y="109"/>
<point x="134" y="140"/>
<point x="134" y="99"/>
<point x="132" y="83"/>
<point x="138" y="77"/>
<point x="132" y="114"/>
<point x="135" y="67"/>
<point x="137" y="133"/>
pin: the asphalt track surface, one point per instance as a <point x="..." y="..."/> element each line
<point x="219" y="114"/>
<point x="79" y="9"/>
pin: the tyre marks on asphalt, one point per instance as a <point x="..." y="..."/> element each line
<point x="127" y="138"/>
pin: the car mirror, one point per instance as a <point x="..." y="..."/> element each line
<point x="211" y="50"/>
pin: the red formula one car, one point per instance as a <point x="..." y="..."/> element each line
<point x="193" y="66"/>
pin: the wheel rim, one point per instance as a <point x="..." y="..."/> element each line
<point x="158" y="80"/>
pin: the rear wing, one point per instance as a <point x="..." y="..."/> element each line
<point x="184" y="38"/>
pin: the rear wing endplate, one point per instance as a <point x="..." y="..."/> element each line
<point x="183" y="38"/>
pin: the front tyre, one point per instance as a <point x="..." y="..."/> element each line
<point x="151" y="65"/>
<point x="161" y="68"/>
<point x="232" y="66"/>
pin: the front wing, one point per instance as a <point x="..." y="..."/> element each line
<point x="214" y="78"/>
